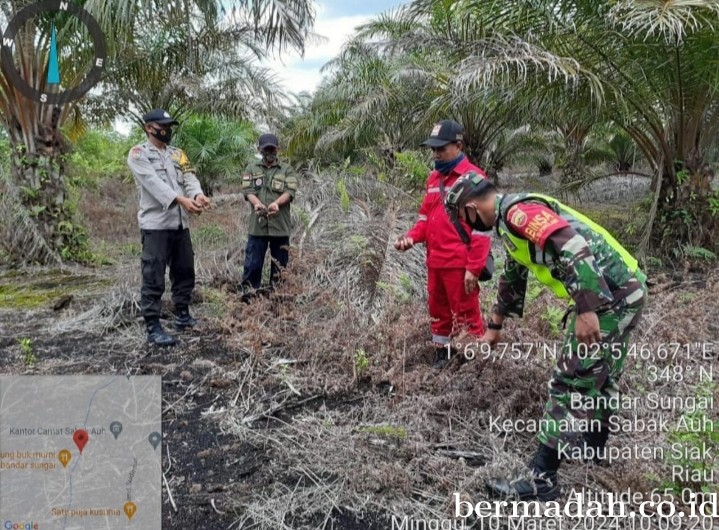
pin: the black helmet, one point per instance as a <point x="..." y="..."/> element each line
<point x="468" y="186"/>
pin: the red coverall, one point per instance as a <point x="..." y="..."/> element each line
<point x="447" y="260"/>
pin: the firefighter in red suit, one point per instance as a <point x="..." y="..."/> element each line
<point x="453" y="265"/>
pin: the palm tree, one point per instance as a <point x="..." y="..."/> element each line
<point x="219" y="148"/>
<point x="396" y="78"/>
<point x="434" y="44"/>
<point x="509" y="146"/>
<point x="651" y="66"/>
<point x="623" y="152"/>
<point x="374" y="100"/>
<point x="147" y="65"/>
<point x="577" y="148"/>
<point x="300" y="128"/>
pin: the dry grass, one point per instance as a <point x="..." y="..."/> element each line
<point x="329" y="377"/>
<point x="343" y="445"/>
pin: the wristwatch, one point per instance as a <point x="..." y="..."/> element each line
<point x="492" y="325"/>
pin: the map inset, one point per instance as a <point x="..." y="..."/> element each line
<point x="80" y="452"/>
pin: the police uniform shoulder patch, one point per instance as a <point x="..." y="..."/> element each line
<point x="136" y="152"/>
<point x="178" y="155"/>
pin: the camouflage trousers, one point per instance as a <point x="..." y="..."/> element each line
<point x="590" y="372"/>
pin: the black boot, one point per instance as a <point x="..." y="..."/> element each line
<point x="157" y="336"/>
<point x="541" y="486"/>
<point x="248" y="294"/>
<point x="442" y="357"/>
<point x="596" y="441"/>
<point x="183" y="320"/>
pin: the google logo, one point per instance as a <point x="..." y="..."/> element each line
<point x="9" y="525"/>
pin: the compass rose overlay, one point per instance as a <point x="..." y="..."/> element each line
<point x="71" y="93"/>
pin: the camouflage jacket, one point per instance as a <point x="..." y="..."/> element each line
<point x="269" y="184"/>
<point x="590" y="267"/>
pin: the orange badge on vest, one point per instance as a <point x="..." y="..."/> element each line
<point x="519" y="218"/>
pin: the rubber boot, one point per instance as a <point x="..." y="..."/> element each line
<point x="248" y="294"/>
<point x="183" y="320"/>
<point x="157" y="335"/>
<point x="597" y="440"/>
<point x="442" y="357"/>
<point x="541" y="486"/>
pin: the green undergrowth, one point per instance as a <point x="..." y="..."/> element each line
<point x="386" y="431"/>
<point x="29" y="289"/>
<point x="626" y="223"/>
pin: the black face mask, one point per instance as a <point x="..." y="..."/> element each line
<point x="164" y="135"/>
<point x="477" y="224"/>
<point x="269" y="157"/>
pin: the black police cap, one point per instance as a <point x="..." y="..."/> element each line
<point x="160" y="116"/>
<point x="445" y="132"/>
<point x="268" y="140"/>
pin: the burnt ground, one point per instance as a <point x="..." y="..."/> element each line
<point x="318" y="408"/>
<point x="260" y="438"/>
<point x="206" y="470"/>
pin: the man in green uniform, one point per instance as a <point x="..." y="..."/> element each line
<point x="269" y="185"/>
<point x="576" y="258"/>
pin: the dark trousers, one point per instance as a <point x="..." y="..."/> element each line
<point x="161" y="248"/>
<point x="255" y="259"/>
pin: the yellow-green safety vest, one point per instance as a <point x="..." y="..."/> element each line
<point x="519" y="249"/>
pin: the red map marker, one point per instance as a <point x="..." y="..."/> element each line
<point x="81" y="438"/>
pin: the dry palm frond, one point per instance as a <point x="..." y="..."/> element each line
<point x="672" y="20"/>
<point x="357" y="242"/>
<point x="20" y="237"/>
<point x="118" y="309"/>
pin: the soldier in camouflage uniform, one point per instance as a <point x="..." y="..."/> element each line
<point x="577" y="259"/>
